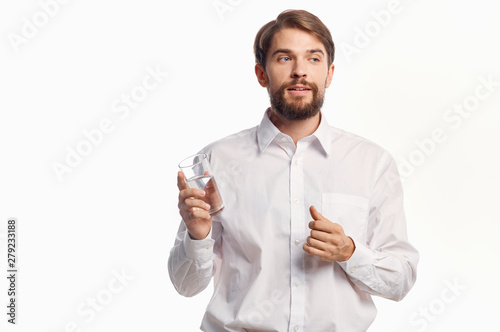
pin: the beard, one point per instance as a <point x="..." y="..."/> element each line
<point x="295" y="108"/>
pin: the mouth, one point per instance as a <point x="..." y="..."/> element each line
<point x="299" y="89"/>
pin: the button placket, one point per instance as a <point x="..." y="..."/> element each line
<point x="297" y="216"/>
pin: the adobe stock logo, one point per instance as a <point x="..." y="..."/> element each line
<point x="426" y="315"/>
<point x="454" y="117"/>
<point x="221" y="7"/>
<point x="122" y="107"/>
<point x="372" y="29"/>
<point x="30" y="27"/>
<point x="89" y="309"/>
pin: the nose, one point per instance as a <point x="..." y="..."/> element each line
<point x="299" y="70"/>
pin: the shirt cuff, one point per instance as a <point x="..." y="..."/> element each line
<point x="198" y="249"/>
<point x="359" y="265"/>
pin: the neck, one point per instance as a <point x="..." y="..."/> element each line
<point x="296" y="129"/>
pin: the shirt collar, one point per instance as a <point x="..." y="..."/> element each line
<point x="267" y="131"/>
<point x="322" y="133"/>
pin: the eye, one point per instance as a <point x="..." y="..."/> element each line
<point x="285" y="58"/>
<point x="315" y="60"/>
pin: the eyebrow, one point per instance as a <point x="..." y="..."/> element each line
<point x="288" y="51"/>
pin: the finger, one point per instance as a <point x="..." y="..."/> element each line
<point x="322" y="225"/>
<point x="320" y="235"/>
<point x="188" y="194"/>
<point x="181" y="181"/>
<point x="201" y="214"/>
<point x="315" y="214"/>
<point x="192" y="204"/>
<point x="314" y="251"/>
<point x="316" y="243"/>
<point x="210" y="185"/>
<point x="191" y="192"/>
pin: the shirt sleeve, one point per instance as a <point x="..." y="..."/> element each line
<point x="385" y="263"/>
<point x="191" y="262"/>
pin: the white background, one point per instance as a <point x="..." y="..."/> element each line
<point x="116" y="211"/>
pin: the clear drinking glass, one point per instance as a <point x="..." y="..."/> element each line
<point x="199" y="175"/>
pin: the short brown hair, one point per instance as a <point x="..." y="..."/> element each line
<point x="298" y="19"/>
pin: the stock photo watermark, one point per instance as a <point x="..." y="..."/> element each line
<point x="222" y="7"/>
<point x="12" y="272"/>
<point x="429" y="313"/>
<point x="31" y="26"/>
<point x="93" y="305"/>
<point x="122" y="107"/>
<point x="363" y="36"/>
<point x="453" y="117"/>
<point x="267" y="307"/>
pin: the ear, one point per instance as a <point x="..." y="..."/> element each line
<point x="329" y="76"/>
<point x="261" y="76"/>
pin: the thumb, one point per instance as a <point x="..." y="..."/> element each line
<point x="315" y="214"/>
<point x="181" y="181"/>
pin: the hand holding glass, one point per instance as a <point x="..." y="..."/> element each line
<point x="199" y="175"/>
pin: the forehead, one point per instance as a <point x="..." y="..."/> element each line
<point x="295" y="40"/>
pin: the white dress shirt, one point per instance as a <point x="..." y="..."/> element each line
<point x="263" y="279"/>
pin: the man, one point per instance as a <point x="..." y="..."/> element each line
<point x="313" y="223"/>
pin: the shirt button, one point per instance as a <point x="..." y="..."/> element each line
<point x="296" y="284"/>
<point x="295" y="328"/>
<point x="296" y="242"/>
<point x="353" y="269"/>
<point x="296" y="201"/>
<point x="283" y="139"/>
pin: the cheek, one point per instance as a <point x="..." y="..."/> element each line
<point x="276" y="75"/>
<point x="273" y="86"/>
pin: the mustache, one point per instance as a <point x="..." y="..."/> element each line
<point x="301" y="81"/>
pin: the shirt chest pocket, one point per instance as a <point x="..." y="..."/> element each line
<point x="349" y="211"/>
